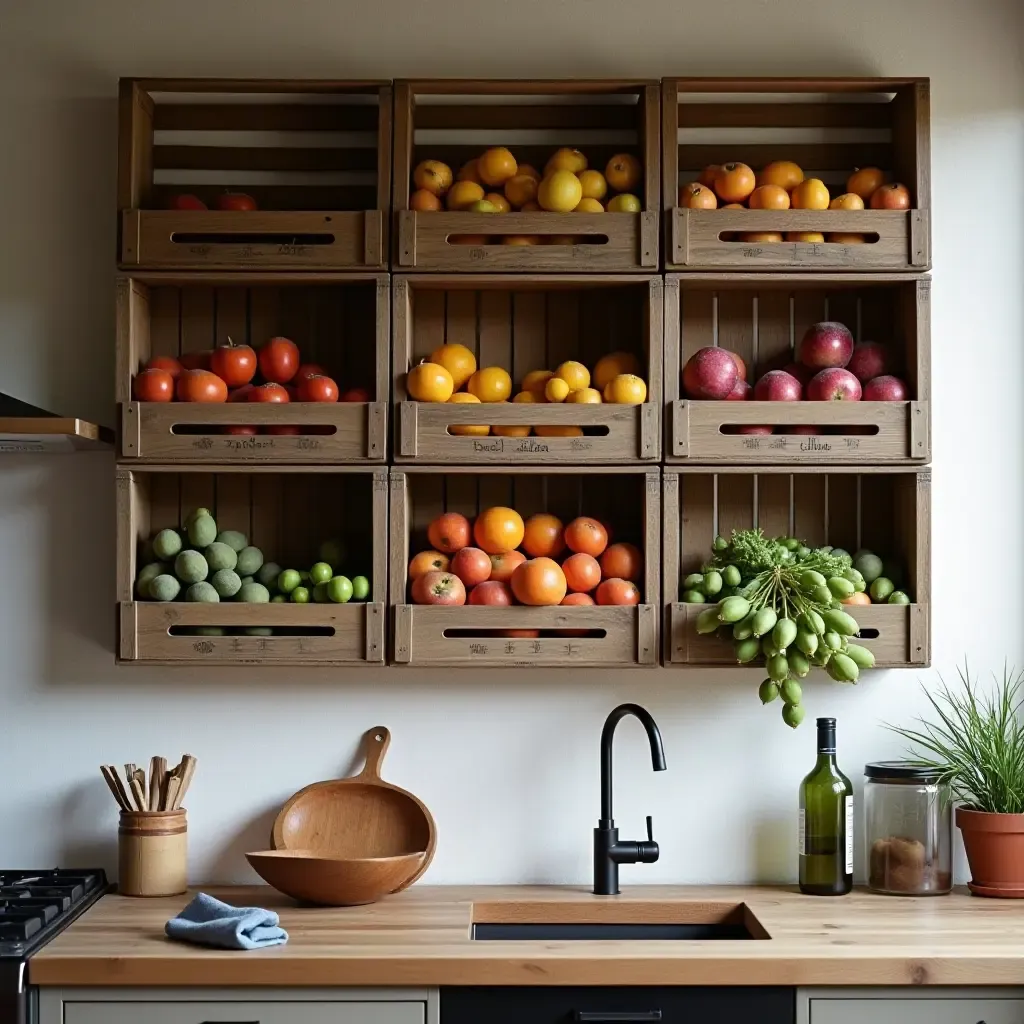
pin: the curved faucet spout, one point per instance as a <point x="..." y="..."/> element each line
<point x="608" y="735"/>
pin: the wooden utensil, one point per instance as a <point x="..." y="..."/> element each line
<point x="157" y="767"/>
<point x="333" y="882"/>
<point x="114" y="785"/>
<point x="187" y="770"/>
<point x="137" y="781"/>
<point x="359" y="817"/>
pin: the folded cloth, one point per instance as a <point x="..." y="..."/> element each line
<point x="208" y="922"/>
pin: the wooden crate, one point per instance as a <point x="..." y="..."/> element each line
<point x="455" y="120"/>
<point x="287" y="514"/>
<point x="762" y="319"/>
<point x="628" y="498"/>
<point x="341" y="322"/>
<point x="315" y="155"/>
<point x="829" y="126"/>
<point x="885" y="509"/>
<point x="539" y="323"/>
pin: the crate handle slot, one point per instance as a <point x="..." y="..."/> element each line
<point x="243" y="429"/>
<point x="287" y="241"/>
<point x="599" y="430"/>
<point x="868" y="634"/>
<point x="493" y="239"/>
<point x="520" y="634"/>
<point x="236" y="632"/>
<point x="865" y="238"/>
<point x="851" y="429"/>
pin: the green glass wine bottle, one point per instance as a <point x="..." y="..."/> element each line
<point x="826" y="822"/>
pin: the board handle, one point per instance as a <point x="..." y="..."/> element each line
<point x="375" y="745"/>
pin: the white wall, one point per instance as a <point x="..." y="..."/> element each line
<point x="506" y="760"/>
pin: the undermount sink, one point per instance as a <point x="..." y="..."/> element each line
<point x="615" y="921"/>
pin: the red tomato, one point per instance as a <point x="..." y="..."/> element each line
<point x="317" y="389"/>
<point x="154" y="386"/>
<point x="355" y="395"/>
<point x="241" y="394"/>
<point x="196" y="360"/>
<point x="234" y="364"/>
<point x="168" y="363"/>
<point x="201" y="386"/>
<point x="187" y="201"/>
<point x="285" y="429"/>
<point x="308" y="370"/>
<point x="279" y="360"/>
<point x="622" y="561"/>
<point x="235" y="201"/>
<point x="617" y="591"/>
<point x="242" y="430"/>
<point x="268" y="393"/>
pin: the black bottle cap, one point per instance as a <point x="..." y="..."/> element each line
<point x="827" y="735"/>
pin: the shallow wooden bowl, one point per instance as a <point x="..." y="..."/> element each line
<point x="311" y="877"/>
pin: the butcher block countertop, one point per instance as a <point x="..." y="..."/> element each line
<point x="422" y="937"/>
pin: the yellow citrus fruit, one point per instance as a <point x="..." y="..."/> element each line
<point x="520" y="239"/>
<point x="558" y="431"/>
<point x="498" y="201"/>
<point x="864" y="181"/>
<point x="623" y="172"/>
<point x="575" y="374"/>
<point x="457" y="360"/>
<point x="463" y="429"/>
<point x="469" y="172"/>
<point x="804" y="236"/>
<point x="810" y="194"/>
<point x="530" y="207"/>
<point x="528" y="171"/>
<point x="594" y="185"/>
<point x="566" y="160"/>
<point x="760" y="236"/>
<point x="529" y="396"/>
<point x="626" y="203"/>
<point x="560" y="192"/>
<point x="556" y="390"/>
<point x="847" y="201"/>
<point x="845" y="238"/>
<point x="612" y="365"/>
<point x="783" y="173"/>
<point x="535" y="380"/>
<point x="423" y="201"/>
<point x="695" y="196"/>
<point x="588" y="206"/>
<point x="463" y="194"/>
<point x="510" y="431"/>
<point x="491" y="384"/>
<point x="585" y="396"/>
<point x="429" y="382"/>
<point x="434" y="176"/>
<point x="496" y="166"/>
<point x="626" y="389"/>
<point x="520" y="190"/>
<point x="769" y="197"/>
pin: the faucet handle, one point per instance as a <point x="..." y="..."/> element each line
<point x="650" y="829"/>
<point x="648" y="853"/>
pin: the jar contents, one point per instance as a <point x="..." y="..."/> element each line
<point x="899" y="864"/>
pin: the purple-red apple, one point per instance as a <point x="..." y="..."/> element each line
<point x="741" y="392"/>
<point x="885" y="389"/>
<point x="710" y="373"/>
<point x="802" y="428"/>
<point x="825" y="345"/>
<point x="869" y="360"/>
<point x="778" y="386"/>
<point x="754" y="428"/>
<point x="801" y="372"/>
<point x="834" y="385"/>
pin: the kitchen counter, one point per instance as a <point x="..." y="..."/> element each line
<point x="422" y="937"/>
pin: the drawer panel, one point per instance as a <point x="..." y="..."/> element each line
<point x="936" y="1010"/>
<point x="245" y="1013"/>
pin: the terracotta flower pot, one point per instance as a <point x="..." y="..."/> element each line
<point x="995" y="852"/>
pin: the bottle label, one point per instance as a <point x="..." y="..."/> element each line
<point x="849" y="835"/>
<point x="802" y="833"/>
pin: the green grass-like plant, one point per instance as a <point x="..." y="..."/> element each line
<point x="977" y="746"/>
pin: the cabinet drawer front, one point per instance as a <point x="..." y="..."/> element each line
<point x="935" y="1010"/>
<point x="244" y="1013"/>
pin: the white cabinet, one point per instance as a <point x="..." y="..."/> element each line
<point x="911" y="1006"/>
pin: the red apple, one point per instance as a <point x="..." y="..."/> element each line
<point x="187" y="201"/>
<point x="241" y="430"/>
<point x="825" y="345"/>
<point x="802" y="428"/>
<point x="778" y="386"/>
<point x="287" y="430"/>
<point x="235" y="201"/>
<point x="741" y="392"/>
<point x="893" y="196"/>
<point x="491" y="592"/>
<point x="754" y="428"/>
<point x="885" y="389"/>
<point x="355" y="395"/>
<point x="869" y="360"/>
<point x="471" y="565"/>
<point x="438" y="588"/>
<point x="834" y="385"/>
<point x="801" y="372"/>
<point x="710" y="373"/>
<point x="741" y="367"/>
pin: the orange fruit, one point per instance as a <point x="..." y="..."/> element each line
<point x="847" y="201"/>
<point x="594" y="185"/>
<point x="864" y="181"/>
<point x="626" y="389"/>
<point x="457" y="360"/>
<point x="582" y="572"/>
<point x="810" y="194"/>
<point x="769" y="197"/>
<point x="804" y="236"/>
<point x="560" y="191"/>
<point x="521" y="189"/>
<point x="498" y="529"/>
<point x="617" y="591"/>
<point x="539" y="581"/>
<point x="587" y="535"/>
<point x="732" y="206"/>
<point x="530" y="207"/>
<point x="574" y="373"/>
<point x="520" y="240"/>
<point x="623" y="561"/>
<point x="571" y="160"/>
<point x="510" y="430"/>
<point x="846" y="238"/>
<point x="528" y="171"/>
<point x="696" y="196"/>
<point x="424" y="201"/>
<point x="499" y="202"/>
<point x="612" y="365"/>
<point x="760" y="236"/>
<point x="623" y="172"/>
<point x="433" y="176"/>
<point x="491" y="384"/>
<point x="429" y="382"/>
<point x="586" y="205"/>
<point x="463" y="194"/>
<point x="543" y="536"/>
<point x="535" y="380"/>
<point x="783" y="173"/>
<point x="428" y="561"/>
<point x="625" y="203"/>
<point x="469" y="172"/>
<point x="584" y="396"/>
<point x="496" y="166"/>
<point x="465" y="430"/>
<point x="556" y="390"/>
<point x="708" y="175"/>
<point x="734" y="182"/>
<point x="558" y="431"/>
<point x="861" y="598"/>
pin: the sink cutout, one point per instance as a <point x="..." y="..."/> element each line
<point x="572" y="922"/>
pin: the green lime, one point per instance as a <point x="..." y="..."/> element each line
<point x="166" y="544"/>
<point x="693" y="597"/>
<point x="898" y="597"/>
<point x="191" y="567"/>
<point x="712" y="582"/>
<point x="278" y="599"/>
<point x="226" y="582"/>
<point x="339" y="589"/>
<point x="249" y="561"/>
<point x="869" y="565"/>
<point x="220" y="556"/>
<point x="203" y="592"/>
<point x="202" y="532"/>
<point x="880" y="589"/>
<point x="147" y="575"/>
<point x="793" y="714"/>
<point x="320" y="593"/>
<point x="164" y="588"/>
<point x="731" y="576"/>
<point x="360" y="588"/>
<point x="253" y="593"/>
<point x="320" y="572"/>
<point x="288" y="580"/>
<point x="300" y="595"/>
<point x="268" y="573"/>
<point x="768" y="691"/>
<point x="234" y="540"/>
<point x="695" y="581"/>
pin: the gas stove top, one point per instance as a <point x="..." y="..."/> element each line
<point x="35" y="905"/>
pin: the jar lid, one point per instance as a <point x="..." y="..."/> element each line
<point x="900" y="770"/>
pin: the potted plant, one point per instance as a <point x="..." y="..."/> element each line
<point x="977" y="746"/>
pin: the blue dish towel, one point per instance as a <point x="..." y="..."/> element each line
<point x="208" y="922"/>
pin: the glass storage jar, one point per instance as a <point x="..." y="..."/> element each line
<point x="908" y="824"/>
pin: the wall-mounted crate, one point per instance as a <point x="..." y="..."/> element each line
<point x="762" y="319"/>
<point x="829" y="126"/>
<point x="315" y="155"/>
<point x="285" y="514"/>
<point x="455" y="120"/>
<point x="341" y="322"/>
<point x="477" y="636"/>
<point x="887" y="510"/>
<point x="537" y="324"/>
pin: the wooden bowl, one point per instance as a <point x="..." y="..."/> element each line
<point x="311" y="877"/>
